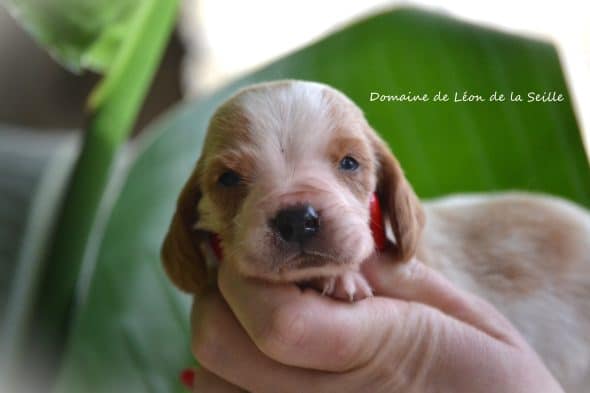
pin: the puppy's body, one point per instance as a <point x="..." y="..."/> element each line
<point x="285" y="179"/>
<point x="527" y="254"/>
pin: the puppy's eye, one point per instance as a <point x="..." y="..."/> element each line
<point x="229" y="179"/>
<point x="349" y="164"/>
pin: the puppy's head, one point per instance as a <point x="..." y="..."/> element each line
<point x="285" y="179"/>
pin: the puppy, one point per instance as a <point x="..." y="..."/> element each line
<point x="285" y="180"/>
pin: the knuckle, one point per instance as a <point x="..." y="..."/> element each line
<point x="415" y="271"/>
<point x="414" y="356"/>
<point x="348" y="354"/>
<point x="284" y="332"/>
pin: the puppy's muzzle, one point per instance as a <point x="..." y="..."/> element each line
<point x="296" y="224"/>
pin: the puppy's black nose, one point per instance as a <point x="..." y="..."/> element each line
<point x="296" y="224"/>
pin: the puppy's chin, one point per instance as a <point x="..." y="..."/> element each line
<point x="303" y="265"/>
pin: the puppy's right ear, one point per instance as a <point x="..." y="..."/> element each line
<point x="181" y="252"/>
<point x="399" y="201"/>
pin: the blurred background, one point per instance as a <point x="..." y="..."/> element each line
<point x="220" y="40"/>
<point x="103" y="309"/>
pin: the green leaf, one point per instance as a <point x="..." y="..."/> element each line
<point x="132" y="331"/>
<point x="114" y="106"/>
<point x="34" y="168"/>
<point x="81" y="34"/>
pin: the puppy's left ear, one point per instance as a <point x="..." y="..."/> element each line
<point x="398" y="200"/>
<point x="181" y="252"/>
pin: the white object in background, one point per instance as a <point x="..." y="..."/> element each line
<point x="226" y="39"/>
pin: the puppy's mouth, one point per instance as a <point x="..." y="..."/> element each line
<point x="329" y="252"/>
<point x="310" y="258"/>
<point x="307" y="264"/>
<point x="296" y="264"/>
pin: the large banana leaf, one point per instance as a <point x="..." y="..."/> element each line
<point x="131" y="333"/>
<point x="81" y="34"/>
<point x="33" y="172"/>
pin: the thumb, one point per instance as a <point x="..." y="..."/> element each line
<point x="414" y="281"/>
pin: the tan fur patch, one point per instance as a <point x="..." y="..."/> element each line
<point x="359" y="181"/>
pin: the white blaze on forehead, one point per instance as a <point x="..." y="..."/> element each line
<point x="290" y="124"/>
<point x="290" y="127"/>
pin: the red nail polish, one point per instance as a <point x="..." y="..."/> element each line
<point x="187" y="377"/>
<point x="377" y="226"/>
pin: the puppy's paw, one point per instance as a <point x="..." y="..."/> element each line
<point x="349" y="286"/>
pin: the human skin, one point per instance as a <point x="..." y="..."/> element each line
<point x="419" y="334"/>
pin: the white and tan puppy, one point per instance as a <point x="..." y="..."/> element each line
<point x="285" y="179"/>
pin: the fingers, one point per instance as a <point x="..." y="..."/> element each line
<point x="207" y="382"/>
<point x="304" y="329"/>
<point x="284" y="339"/>
<point x="429" y="351"/>
<point x="418" y="331"/>
<point x="414" y="281"/>
<point x="223" y="347"/>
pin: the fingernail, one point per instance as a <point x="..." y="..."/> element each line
<point x="187" y="377"/>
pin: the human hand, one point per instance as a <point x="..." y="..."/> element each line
<point x="419" y="334"/>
